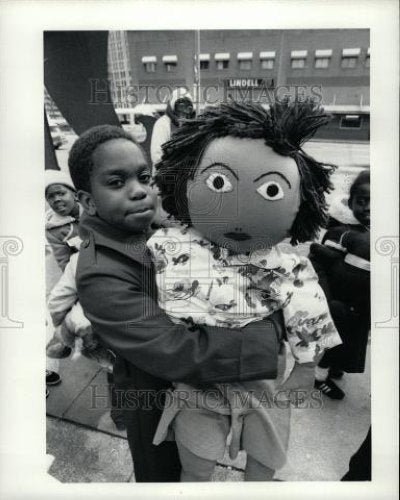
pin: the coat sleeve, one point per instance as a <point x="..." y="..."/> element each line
<point x="63" y="296"/>
<point x="132" y="325"/>
<point x="160" y="135"/>
<point x="61" y="250"/>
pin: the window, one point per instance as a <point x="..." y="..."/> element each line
<point x="350" y="121"/>
<point x="349" y="62"/>
<point x="349" y="57"/>
<point x="204" y="61"/>
<point x="322" y="62"/>
<point x="267" y="63"/>
<point x="150" y="67"/>
<point x="298" y="63"/>
<point x="170" y="63"/>
<point x="222" y="65"/>
<point x="366" y="63"/>
<point x="245" y="65"/>
<point x="298" y="58"/>
<point x="170" y="67"/>
<point x="222" y="60"/>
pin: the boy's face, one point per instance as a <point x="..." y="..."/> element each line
<point x="61" y="199"/>
<point x="359" y="204"/>
<point x="120" y="187"/>
<point x="244" y="196"/>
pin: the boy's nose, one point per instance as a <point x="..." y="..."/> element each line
<point x="137" y="191"/>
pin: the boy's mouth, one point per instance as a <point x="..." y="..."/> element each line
<point x="140" y="210"/>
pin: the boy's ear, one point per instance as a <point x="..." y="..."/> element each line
<point x="86" y="200"/>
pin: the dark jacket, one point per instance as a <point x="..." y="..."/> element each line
<point x="342" y="264"/>
<point x="117" y="290"/>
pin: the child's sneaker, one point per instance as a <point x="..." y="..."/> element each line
<point x="52" y="378"/>
<point x="329" y="388"/>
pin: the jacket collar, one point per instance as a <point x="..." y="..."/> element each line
<point x="103" y="234"/>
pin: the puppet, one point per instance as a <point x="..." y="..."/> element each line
<point x="239" y="182"/>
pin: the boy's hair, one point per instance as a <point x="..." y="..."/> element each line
<point x="362" y="178"/>
<point x="80" y="160"/>
<point x="285" y="127"/>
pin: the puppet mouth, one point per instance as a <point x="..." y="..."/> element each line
<point x="238" y="236"/>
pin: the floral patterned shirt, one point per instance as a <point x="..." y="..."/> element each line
<point x="201" y="283"/>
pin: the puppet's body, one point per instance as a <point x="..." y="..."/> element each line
<point x="201" y="283"/>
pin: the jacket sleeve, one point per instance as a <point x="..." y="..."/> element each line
<point x="63" y="296"/>
<point x="61" y="250"/>
<point x="133" y="326"/>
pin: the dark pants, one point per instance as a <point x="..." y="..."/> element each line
<point x="353" y="328"/>
<point x="142" y="402"/>
<point x="360" y="462"/>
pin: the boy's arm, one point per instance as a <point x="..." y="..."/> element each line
<point x="133" y="326"/>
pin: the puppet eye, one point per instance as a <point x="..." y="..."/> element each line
<point x="271" y="191"/>
<point x="219" y="183"/>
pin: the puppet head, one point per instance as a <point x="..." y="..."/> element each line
<point x="238" y="174"/>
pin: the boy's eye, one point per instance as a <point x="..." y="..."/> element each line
<point x="271" y="191"/>
<point x="219" y="183"/>
<point x="145" y="178"/>
<point x="117" y="182"/>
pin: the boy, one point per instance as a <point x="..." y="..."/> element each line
<point x="343" y="266"/>
<point x="117" y="290"/>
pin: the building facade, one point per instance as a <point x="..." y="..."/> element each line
<point x="331" y="65"/>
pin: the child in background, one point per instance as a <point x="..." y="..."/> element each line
<point x="62" y="235"/>
<point x="342" y="262"/>
<point x="62" y="220"/>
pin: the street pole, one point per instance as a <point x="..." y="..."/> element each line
<point x="197" y="70"/>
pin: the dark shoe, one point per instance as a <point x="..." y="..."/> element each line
<point x="335" y="373"/>
<point x="58" y="351"/>
<point x="52" y="378"/>
<point x="329" y="388"/>
<point x="120" y="425"/>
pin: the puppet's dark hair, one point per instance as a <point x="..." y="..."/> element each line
<point x="285" y="127"/>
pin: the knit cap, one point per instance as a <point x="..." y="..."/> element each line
<point x="58" y="177"/>
<point x="179" y="93"/>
